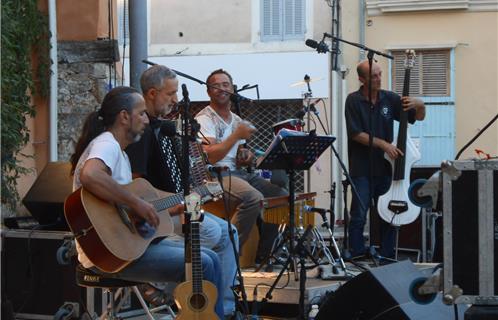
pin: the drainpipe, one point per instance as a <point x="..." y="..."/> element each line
<point x="52" y="23"/>
<point x="138" y="40"/>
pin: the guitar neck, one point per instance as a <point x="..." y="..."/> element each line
<point x="171" y="201"/>
<point x="399" y="164"/>
<point x="196" y="257"/>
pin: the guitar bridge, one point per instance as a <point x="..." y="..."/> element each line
<point x="397" y="206"/>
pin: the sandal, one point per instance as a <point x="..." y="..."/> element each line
<point x="154" y="296"/>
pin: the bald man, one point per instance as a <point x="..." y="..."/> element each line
<point x="387" y="108"/>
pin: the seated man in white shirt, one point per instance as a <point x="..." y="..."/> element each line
<point x="225" y="134"/>
<point x="101" y="166"/>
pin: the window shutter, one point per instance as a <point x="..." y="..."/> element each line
<point x="429" y="76"/>
<point x="436" y="73"/>
<point x="272" y="22"/>
<point x="294" y="19"/>
<point x="282" y="19"/>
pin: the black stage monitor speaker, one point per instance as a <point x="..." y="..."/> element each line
<point x="45" y="199"/>
<point x="382" y="293"/>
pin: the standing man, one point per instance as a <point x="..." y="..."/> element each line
<point x="156" y="157"/>
<point x="101" y="166"/>
<point x="387" y="107"/>
<point x="225" y="133"/>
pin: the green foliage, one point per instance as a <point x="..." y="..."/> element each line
<point x="24" y="33"/>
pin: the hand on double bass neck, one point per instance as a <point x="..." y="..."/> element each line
<point x="409" y="103"/>
<point x="391" y="150"/>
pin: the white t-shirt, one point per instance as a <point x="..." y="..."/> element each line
<point x="213" y="126"/>
<point x="106" y="148"/>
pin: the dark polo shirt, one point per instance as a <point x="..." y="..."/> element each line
<point x="386" y="109"/>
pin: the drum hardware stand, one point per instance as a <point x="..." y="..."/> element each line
<point x="282" y="243"/>
<point x="291" y="151"/>
<point x="336" y="274"/>
<point x="240" y="290"/>
<point x="278" y="242"/>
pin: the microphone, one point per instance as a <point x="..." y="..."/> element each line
<point x="313" y="209"/>
<point x="185" y="92"/>
<point x="216" y="169"/>
<point x="301" y="113"/>
<point x="321" y="47"/>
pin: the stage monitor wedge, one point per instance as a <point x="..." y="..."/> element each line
<point x="383" y="293"/>
<point x="45" y="199"/>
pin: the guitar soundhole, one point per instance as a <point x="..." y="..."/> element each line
<point x="197" y="301"/>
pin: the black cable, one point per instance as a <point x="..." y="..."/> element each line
<point x="476" y="136"/>
<point x="383" y="312"/>
<point x="326" y="115"/>
<point x="109" y="27"/>
<point x="124" y="41"/>
<point x="455" y="308"/>
<point x="113" y="63"/>
<point x="30" y="273"/>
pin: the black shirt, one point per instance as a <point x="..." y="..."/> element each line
<point x="357" y="110"/>
<point x="156" y="158"/>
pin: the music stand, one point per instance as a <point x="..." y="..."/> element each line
<point x="293" y="150"/>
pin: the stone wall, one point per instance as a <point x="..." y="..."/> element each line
<point x="83" y="81"/>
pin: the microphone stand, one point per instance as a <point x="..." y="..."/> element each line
<point x="186" y="171"/>
<point x="181" y="74"/>
<point x="370" y="56"/>
<point x="226" y="205"/>
<point x="345" y="172"/>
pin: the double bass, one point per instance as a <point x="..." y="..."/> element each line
<point x="395" y="206"/>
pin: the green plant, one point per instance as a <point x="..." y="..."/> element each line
<point x="24" y="35"/>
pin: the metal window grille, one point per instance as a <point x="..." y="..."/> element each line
<point x="263" y="114"/>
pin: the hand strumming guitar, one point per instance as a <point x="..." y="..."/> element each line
<point x="244" y="157"/>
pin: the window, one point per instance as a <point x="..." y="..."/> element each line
<point x="282" y="20"/>
<point x="430" y="76"/>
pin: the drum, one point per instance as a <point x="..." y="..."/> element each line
<point x="291" y="124"/>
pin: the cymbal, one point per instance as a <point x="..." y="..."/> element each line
<point x="303" y="83"/>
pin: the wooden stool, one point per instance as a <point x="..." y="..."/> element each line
<point x="114" y="288"/>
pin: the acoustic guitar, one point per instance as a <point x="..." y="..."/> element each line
<point x="196" y="297"/>
<point x="395" y="206"/>
<point x="109" y="235"/>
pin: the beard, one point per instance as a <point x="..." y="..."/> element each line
<point x="137" y="137"/>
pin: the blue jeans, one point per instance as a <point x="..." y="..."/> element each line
<point x="359" y="216"/>
<point x="165" y="262"/>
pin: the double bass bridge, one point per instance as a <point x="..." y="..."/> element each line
<point x="398" y="206"/>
